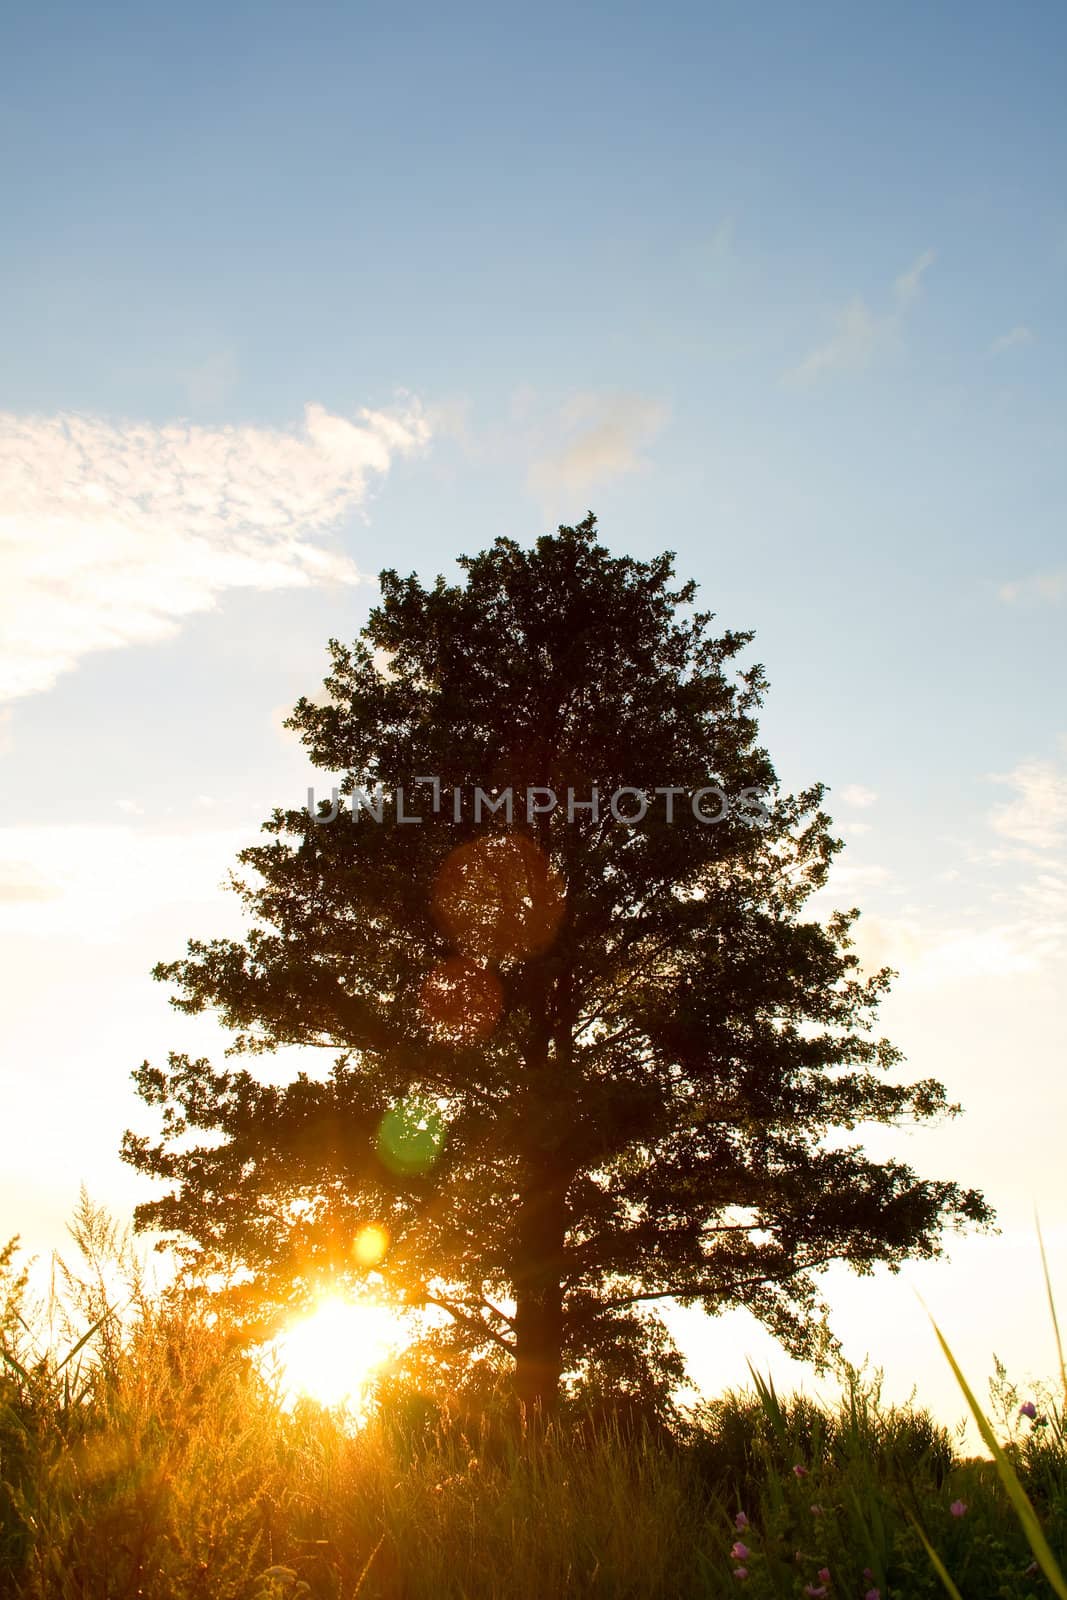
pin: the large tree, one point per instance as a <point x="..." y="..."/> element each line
<point x="585" y="1060"/>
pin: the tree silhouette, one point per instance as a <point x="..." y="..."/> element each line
<point x="582" y="1064"/>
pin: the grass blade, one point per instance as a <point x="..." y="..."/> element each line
<point x="84" y="1340"/>
<point x="1016" y="1493"/>
<point x="1052" y="1310"/>
<point x="937" y="1563"/>
<point x="361" y="1580"/>
<point x="16" y="1366"/>
<point x="770" y="1404"/>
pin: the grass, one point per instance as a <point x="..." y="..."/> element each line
<point x="144" y="1455"/>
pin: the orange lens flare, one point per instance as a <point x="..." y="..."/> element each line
<point x="498" y="898"/>
<point x="461" y="1000"/>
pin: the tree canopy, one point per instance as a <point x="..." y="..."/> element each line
<point x="586" y="1057"/>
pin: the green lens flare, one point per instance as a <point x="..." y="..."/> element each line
<point x="411" y="1137"/>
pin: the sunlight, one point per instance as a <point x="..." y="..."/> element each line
<point x="332" y="1354"/>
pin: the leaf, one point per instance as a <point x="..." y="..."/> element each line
<point x="16" y="1366"/>
<point x="84" y="1340"/>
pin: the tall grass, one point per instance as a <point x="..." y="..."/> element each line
<point x="1044" y="1455"/>
<point x="144" y="1454"/>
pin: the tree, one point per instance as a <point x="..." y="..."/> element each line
<point x="582" y="1065"/>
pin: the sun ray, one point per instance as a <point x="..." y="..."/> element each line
<point x="333" y="1353"/>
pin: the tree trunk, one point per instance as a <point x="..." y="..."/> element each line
<point x="539" y="1301"/>
<point x="539" y="1350"/>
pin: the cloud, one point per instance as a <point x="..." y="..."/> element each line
<point x="1001" y="913"/>
<point x="20" y="881"/>
<point x="7" y="742"/>
<point x="718" y="248"/>
<point x="913" y="941"/>
<point x="906" y="287"/>
<point x="858" y="334"/>
<point x="928" y="955"/>
<point x="1048" y="587"/>
<point x="606" y="434"/>
<point x="112" y="533"/>
<point x="1037" y="817"/>
<point x="855" y="794"/>
<point x="102" y="883"/>
<point x="1012" y="339"/>
<point x="861" y="332"/>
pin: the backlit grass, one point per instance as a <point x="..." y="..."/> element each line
<point x="145" y="1455"/>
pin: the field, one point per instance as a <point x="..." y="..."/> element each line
<point x="155" y="1460"/>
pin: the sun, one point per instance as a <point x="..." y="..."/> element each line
<point x="333" y="1353"/>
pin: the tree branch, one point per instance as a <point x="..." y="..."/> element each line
<point x="704" y="1291"/>
<point x="468" y="1318"/>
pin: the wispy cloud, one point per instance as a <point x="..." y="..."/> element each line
<point x="861" y="332"/>
<point x="906" y="287"/>
<point x="1012" y="339"/>
<point x="21" y="881"/>
<point x="851" y="346"/>
<point x="1037" y="816"/>
<point x="1044" y="588"/>
<point x="88" y="882"/>
<point x="857" y="794"/>
<point x="603" y="439"/>
<point x="1007" y="911"/>
<point x="112" y="533"/>
<point x="929" y="954"/>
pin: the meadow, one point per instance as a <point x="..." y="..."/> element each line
<point x="150" y="1456"/>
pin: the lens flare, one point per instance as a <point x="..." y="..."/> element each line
<point x="411" y="1136"/>
<point x="370" y="1244"/>
<point x="499" y="898"/>
<point x="461" y="1000"/>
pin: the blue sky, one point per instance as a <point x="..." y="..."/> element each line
<point x="779" y="288"/>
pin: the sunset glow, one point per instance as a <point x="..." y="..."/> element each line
<point x="333" y="1353"/>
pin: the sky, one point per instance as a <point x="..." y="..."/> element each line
<point x="292" y="294"/>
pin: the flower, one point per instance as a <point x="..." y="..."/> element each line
<point x="868" y="1575"/>
<point x="799" y="1471"/>
<point x="816" y="1511"/>
<point x="1028" y="1409"/>
<point x="873" y="1594"/>
<point x="824" y="1574"/>
<point x="740" y="1522"/>
<point x="958" y="1508"/>
<point x="740" y="1573"/>
<point x="815" y="1591"/>
<point x="740" y="1552"/>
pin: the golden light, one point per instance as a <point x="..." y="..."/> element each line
<point x="370" y="1244"/>
<point x="333" y="1353"/>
